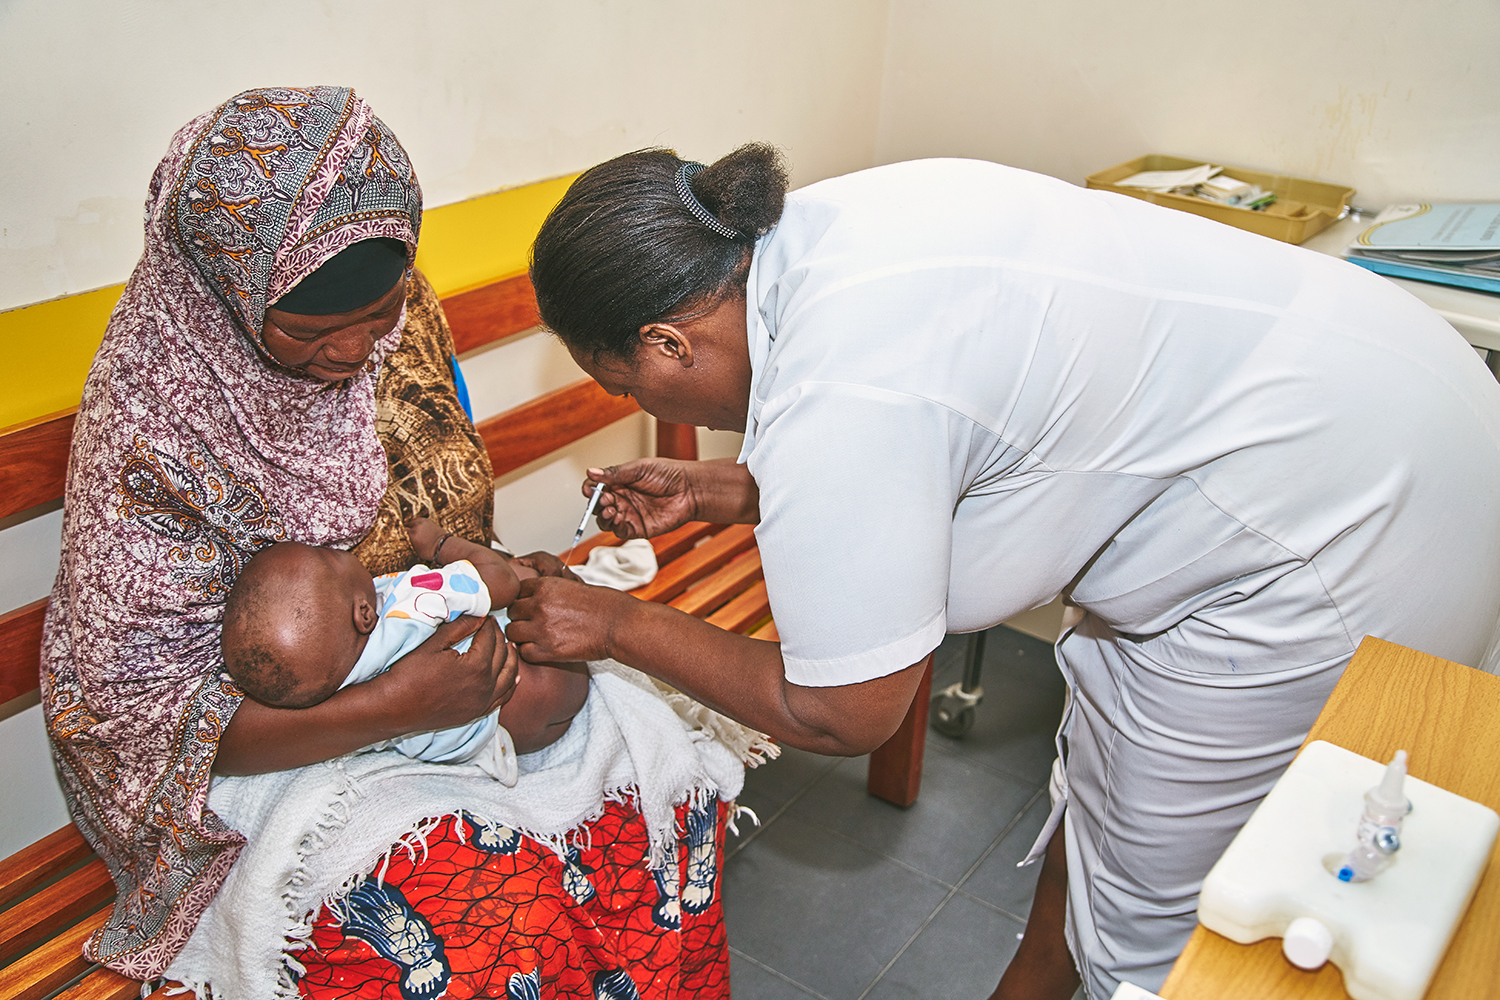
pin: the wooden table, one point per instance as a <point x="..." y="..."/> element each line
<point x="1447" y="717"/>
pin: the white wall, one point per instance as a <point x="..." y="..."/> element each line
<point x="484" y="95"/>
<point x="1399" y="99"/>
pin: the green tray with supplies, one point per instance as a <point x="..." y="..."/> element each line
<point x="1302" y="207"/>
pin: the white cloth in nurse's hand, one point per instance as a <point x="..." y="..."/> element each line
<point x="621" y="567"/>
<point x="412" y="605"/>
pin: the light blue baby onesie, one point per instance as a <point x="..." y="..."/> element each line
<point x="412" y="605"/>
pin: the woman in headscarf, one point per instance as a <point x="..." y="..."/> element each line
<point x="276" y="370"/>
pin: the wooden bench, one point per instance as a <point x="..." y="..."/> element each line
<point x="56" y="892"/>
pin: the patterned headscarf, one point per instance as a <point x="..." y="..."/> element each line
<point x="192" y="449"/>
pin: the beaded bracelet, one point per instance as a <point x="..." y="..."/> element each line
<point x="439" y="548"/>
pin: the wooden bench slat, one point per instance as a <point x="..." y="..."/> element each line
<point x="106" y="984"/>
<point x="750" y="608"/>
<point x="716" y="589"/>
<point x="20" y="655"/>
<point x="29" y="867"/>
<point x="38" y="973"/>
<point x="680" y="540"/>
<point x="767" y="632"/>
<point x="675" y="576"/>
<point x="55" y="907"/>
<point x="541" y="426"/>
<point x="491" y="312"/>
<point x="34" y="460"/>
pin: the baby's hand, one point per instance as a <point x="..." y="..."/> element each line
<point x="542" y="564"/>
<point x="425" y="535"/>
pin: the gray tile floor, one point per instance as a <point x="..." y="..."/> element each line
<point x="841" y="896"/>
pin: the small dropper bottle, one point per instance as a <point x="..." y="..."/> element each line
<point x="1380" y="827"/>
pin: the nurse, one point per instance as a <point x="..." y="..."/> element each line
<point x="967" y="389"/>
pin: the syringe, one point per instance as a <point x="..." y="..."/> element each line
<point x="588" y="513"/>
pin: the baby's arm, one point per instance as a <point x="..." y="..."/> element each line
<point x="436" y="547"/>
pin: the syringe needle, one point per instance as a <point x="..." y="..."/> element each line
<point x="588" y="513"/>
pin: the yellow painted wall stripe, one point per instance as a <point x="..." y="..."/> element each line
<point x="477" y="241"/>
<point x="46" y="348"/>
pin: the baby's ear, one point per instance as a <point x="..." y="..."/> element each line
<point x="365" y="615"/>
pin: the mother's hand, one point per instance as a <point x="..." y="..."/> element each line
<point x="435" y="686"/>
<point x="559" y="621"/>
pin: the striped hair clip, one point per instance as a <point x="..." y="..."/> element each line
<point x="692" y="204"/>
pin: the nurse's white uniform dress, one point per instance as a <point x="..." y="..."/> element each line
<point x="976" y="386"/>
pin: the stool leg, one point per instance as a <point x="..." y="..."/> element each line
<point x="973" y="661"/>
<point x="953" y="708"/>
<point x="896" y="767"/>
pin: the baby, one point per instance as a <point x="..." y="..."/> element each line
<point x="303" y="622"/>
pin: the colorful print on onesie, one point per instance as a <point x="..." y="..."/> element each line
<point x="412" y="605"/>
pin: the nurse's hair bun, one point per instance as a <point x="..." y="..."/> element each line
<point x="648" y="237"/>
<point x="745" y="189"/>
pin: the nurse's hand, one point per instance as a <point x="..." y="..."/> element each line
<point x="651" y="496"/>
<point x="559" y="621"/>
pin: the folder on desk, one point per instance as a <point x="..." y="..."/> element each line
<point x="1455" y="244"/>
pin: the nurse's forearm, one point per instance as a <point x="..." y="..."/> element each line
<point x="724" y="492"/>
<point x="744" y="678"/>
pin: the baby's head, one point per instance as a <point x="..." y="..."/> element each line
<point x="296" y="622"/>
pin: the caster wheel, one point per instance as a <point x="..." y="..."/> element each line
<point x="950" y="720"/>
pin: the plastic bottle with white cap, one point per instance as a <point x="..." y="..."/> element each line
<point x="1380" y="827"/>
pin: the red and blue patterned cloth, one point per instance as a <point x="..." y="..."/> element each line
<point x="488" y="912"/>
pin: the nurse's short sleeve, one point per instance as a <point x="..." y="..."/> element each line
<point x="856" y="505"/>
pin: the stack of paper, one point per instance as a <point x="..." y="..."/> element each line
<point x="1167" y="180"/>
<point x="1448" y="244"/>
<point x="1206" y="181"/>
